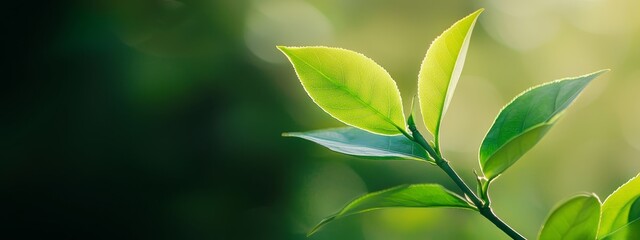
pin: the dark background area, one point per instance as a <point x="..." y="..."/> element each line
<point x="91" y="152"/>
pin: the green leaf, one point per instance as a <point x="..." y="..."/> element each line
<point x="525" y="120"/>
<point x="350" y="87"/>
<point x="405" y="196"/>
<point x="441" y="70"/>
<point x="631" y="231"/>
<point x="576" y="218"/>
<point x="621" y="212"/>
<point x="356" y="142"/>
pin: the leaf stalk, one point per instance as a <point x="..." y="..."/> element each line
<point x="483" y="206"/>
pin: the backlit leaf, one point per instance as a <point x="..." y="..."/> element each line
<point x="621" y="212"/>
<point x="575" y="219"/>
<point x="441" y="70"/>
<point x="525" y="120"/>
<point x="350" y="87"/>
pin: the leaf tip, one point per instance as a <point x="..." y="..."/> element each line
<point x="290" y="134"/>
<point x="410" y="120"/>
<point x="594" y="195"/>
<point x="320" y="225"/>
<point x="475" y="14"/>
<point x="606" y="70"/>
<point x="596" y="74"/>
<point x="284" y="49"/>
<point x="590" y="195"/>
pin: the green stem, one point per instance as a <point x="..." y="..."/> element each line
<point x="488" y="213"/>
<point x="484" y="209"/>
<point x="444" y="165"/>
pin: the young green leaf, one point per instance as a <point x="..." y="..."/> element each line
<point x="576" y="218"/>
<point x="405" y="196"/>
<point x="350" y="87"/>
<point x="621" y="212"/>
<point x="525" y="120"/>
<point x="441" y="70"/>
<point x="356" y="142"/>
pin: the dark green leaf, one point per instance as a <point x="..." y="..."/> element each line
<point x="406" y="196"/>
<point x="525" y="120"/>
<point x="356" y="142"/>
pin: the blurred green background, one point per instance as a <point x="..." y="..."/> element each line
<point x="161" y="119"/>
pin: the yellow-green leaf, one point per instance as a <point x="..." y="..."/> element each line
<point x="350" y="87"/>
<point x="631" y="231"/>
<point x="441" y="70"/>
<point x="621" y="212"/>
<point x="575" y="219"/>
